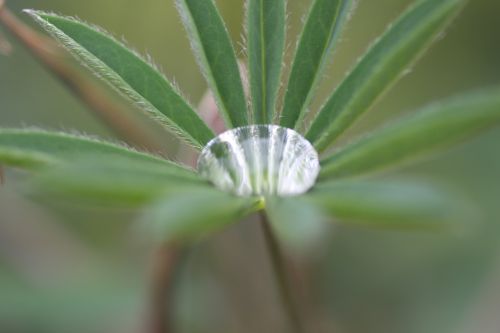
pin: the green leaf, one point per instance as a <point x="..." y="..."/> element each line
<point x="191" y="214"/>
<point x="298" y="224"/>
<point x="321" y="32"/>
<point x="128" y="73"/>
<point x="266" y="45"/>
<point x="393" y="204"/>
<point x="436" y="126"/>
<point x="30" y="149"/>
<point x="59" y="308"/>
<point x="215" y="54"/>
<point x="381" y="66"/>
<point x="117" y="181"/>
<point x="23" y="159"/>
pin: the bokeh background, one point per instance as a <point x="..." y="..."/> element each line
<point x="66" y="268"/>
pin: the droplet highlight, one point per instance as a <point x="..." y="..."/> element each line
<point x="260" y="160"/>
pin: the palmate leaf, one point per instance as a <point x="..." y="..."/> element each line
<point x="215" y="54"/>
<point x="381" y="66"/>
<point x="388" y="204"/>
<point x="321" y="32"/>
<point x="128" y="73"/>
<point x="265" y="47"/>
<point x="436" y="126"/>
<point x="190" y="214"/>
<point x="117" y="181"/>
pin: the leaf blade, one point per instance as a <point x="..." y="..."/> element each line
<point x="127" y="73"/>
<point x="434" y="127"/>
<point x="173" y="217"/>
<point x="266" y="22"/>
<point x="59" y="308"/>
<point x="320" y="34"/>
<point x="216" y="58"/>
<point x="380" y="67"/>
<point x="32" y="149"/>
<point x="298" y="224"/>
<point x="388" y="203"/>
<point x="118" y="182"/>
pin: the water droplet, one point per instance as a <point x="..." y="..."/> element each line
<point x="260" y="160"/>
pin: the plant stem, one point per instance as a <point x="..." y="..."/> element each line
<point x="278" y="264"/>
<point x="162" y="278"/>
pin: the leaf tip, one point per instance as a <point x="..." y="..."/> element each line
<point x="29" y="11"/>
<point x="38" y="16"/>
<point x="32" y="12"/>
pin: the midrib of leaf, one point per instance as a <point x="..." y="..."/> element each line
<point x="163" y="103"/>
<point x="223" y="77"/>
<point x="436" y="126"/>
<point x="296" y="99"/>
<point x="380" y="67"/>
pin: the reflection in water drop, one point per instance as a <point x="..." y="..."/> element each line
<point x="260" y="160"/>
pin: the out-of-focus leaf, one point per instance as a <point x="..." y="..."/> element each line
<point x="24" y="159"/>
<point x="266" y="44"/>
<point x="190" y="214"/>
<point x="437" y="126"/>
<point x="390" y="204"/>
<point x="34" y="148"/>
<point x="128" y="73"/>
<point x="381" y="66"/>
<point x="298" y="223"/>
<point x="321" y="32"/>
<point x="79" y="308"/>
<point x="215" y="54"/>
<point x="118" y="181"/>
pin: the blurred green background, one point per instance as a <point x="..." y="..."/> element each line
<point x="73" y="269"/>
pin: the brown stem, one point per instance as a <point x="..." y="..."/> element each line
<point x="56" y="60"/>
<point x="5" y="47"/>
<point x="162" y="278"/>
<point x="278" y="264"/>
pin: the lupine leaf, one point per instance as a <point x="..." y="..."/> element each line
<point x="191" y="214"/>
<point x="58" y="309"/>
<point x="381" y="66"/>
<point x="297" y="223"/>
<point x="35" y="148"/>
<point x="436" y="126"/>
<point x="321" y="32"/>
<point x="215" y="54"/>
<point x="118" y="181"/>
<point x="394" y="204"/>
<point x="266" y="44"/>
<point x="128" y="73"/>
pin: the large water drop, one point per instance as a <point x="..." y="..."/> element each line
<point x="260" y="160"/>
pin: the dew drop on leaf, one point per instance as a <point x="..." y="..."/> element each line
<point x="260" y="160"/>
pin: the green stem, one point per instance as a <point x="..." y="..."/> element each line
<point x="280" y="275"/>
